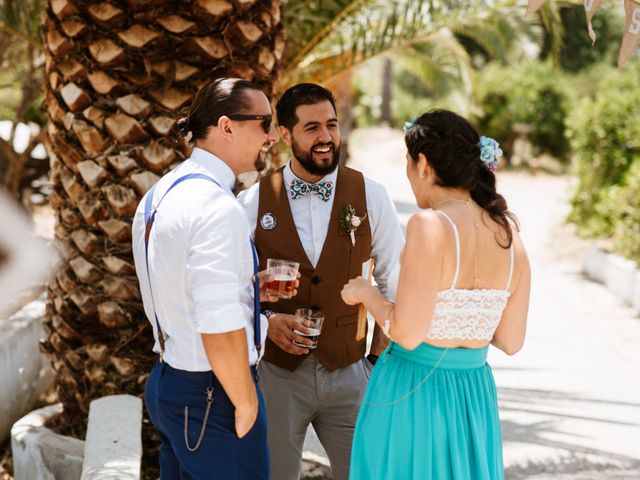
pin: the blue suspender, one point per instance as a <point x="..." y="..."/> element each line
<point x="256" y="299"/>
<point x="149" y="218"/>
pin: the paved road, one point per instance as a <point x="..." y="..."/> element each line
<point x="570" y="400"/>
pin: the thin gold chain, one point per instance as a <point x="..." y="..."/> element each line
<point x="476" y="279"/>
<point x="459" y="200"/>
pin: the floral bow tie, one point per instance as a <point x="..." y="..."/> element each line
<point x="300" y="188"/>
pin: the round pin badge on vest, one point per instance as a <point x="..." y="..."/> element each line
<point x="268" y="221"/>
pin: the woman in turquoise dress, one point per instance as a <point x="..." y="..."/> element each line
<point x="430" y="410"/>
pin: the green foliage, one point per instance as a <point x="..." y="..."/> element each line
<point x="305" y="20"/>
<point x="577" y="52"/>
<point x="413" y="96"/>
<point x="20" y="60"/>
<point x="626" y="198"/>
<point x="21" y="19"/>
<point x="414" y="91"/>
<point x="323" y="42"/>
<point x="605" y="136"/>
<point x="9" y="95"/>
<point x="532" y="94"/>
<point x="35" y="113"/>
<point x="434" y="69"/>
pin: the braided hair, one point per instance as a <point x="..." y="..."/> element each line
<point x="451" y="146"/>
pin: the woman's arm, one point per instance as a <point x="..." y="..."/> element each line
<point x="509" y="336"/>
<point x="420" y="271"/>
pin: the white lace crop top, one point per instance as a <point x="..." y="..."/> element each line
<point x="468" y="314"/>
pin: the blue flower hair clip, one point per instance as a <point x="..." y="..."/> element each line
<point x="408" y="125"/>
<point x="489" y="152"/>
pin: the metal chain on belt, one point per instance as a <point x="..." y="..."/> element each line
<point x="204" y="422"/>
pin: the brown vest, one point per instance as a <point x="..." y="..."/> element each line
<point x="319" y="288"/>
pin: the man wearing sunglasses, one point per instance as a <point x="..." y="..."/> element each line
<point x="197" y="267"/>
<point x="296" y="212"/>
<point x="265" y="120"/>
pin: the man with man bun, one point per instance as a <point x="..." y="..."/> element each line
<point x="197" y="270"/>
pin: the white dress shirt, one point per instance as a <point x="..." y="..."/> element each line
<point x="311" y="215"/>
<point x="200" y="262"/>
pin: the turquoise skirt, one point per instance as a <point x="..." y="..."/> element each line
<point x="429" y="413"/>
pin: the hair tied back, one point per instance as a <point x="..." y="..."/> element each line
<point x="182" y="125"/>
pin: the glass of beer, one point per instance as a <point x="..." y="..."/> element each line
<point x="284" y="273"/>
<point x="311" y="319"/>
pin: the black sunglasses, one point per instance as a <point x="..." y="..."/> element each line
<point x="266" y="119"/>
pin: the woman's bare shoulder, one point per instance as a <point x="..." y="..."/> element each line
<point x="426" y="222"/>
<point x="519" y="243"/>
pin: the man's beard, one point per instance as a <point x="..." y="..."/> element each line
<point x="261" y="161"/>
<point x="263" y="158"/>
<point x="306" y="158"/>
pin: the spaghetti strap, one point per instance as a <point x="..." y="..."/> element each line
<point x="510" y="267"/>
<point x="455" y="232"/>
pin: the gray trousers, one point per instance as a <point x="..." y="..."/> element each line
<point x="312" y="395"/>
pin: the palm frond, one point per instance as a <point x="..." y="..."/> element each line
<point x="308" y="23"/>
<point x="440" y="63"/>
<point x="550" y="16"/>
<point x="504" y="33"/>
<point x="377" y="27"/>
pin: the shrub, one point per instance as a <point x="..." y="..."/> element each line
<point x="577" y="51"/>
<point x="605" y="138"/>
<point x="625" y="209"/>
<point x="532" y="94"/>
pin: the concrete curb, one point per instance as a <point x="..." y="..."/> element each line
<point x="25" y="373"/>
<point x="39" y="453"/>
<point x="113" y="445"/>
<point x="314" y="467"/>
<point x="621" y="276"/>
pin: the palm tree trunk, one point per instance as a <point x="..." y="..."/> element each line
<point x="118" y="75"/>
<point x="387" y="78"/>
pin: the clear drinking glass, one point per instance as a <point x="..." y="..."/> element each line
<point x="284" y="273"/>
<point x="311" y="319"/>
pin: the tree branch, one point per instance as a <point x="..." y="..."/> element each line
<point x="30" y="90"/>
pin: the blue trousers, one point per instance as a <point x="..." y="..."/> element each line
<point x="221" y="455"/>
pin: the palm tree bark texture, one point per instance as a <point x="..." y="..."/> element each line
<point x="118" y="74"/>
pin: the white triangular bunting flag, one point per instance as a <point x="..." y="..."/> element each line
<point x="631" y="36"/>
<point x="590" y="7"/>
<point x="534" y="6"/>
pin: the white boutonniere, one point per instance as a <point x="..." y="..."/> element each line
<point x="350" y="222"/>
